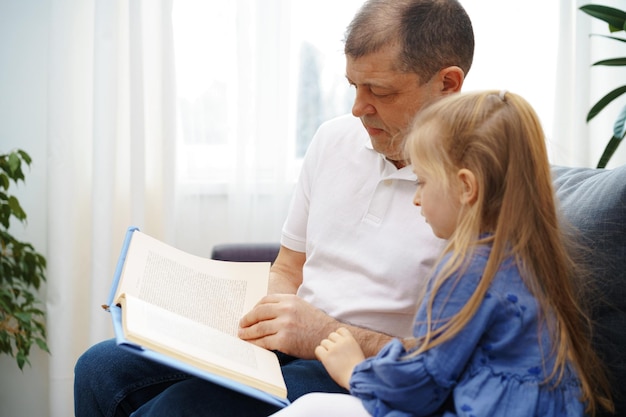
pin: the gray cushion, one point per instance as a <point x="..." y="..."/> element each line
<point x="594" y="201"/>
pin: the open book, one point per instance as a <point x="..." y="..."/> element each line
<point x="183" y="311"/>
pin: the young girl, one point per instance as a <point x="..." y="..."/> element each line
<point x="500" y="330"/>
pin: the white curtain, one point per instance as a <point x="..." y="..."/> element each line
<point x="233" y="143"/>
<point x="116" y="157"/>
<point x="248" y="73"/>
<point x="110" y="141"/>
<point x="130" y="142"/>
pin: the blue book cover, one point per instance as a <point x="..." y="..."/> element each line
<point x="157" y="324"/>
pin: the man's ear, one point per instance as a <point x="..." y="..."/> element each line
<point x="451" y="79"/>
<point x="469" y="186"/>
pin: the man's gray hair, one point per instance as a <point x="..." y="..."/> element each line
<point x="432" y="34"/>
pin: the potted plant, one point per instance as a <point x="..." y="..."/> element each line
<point x="22" y="271"/>
<point x="617" y="22"/>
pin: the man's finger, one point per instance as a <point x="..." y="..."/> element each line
<point x="261" y="312"/>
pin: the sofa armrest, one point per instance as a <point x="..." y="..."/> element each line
<point x="246" y="252"/>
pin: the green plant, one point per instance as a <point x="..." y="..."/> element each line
<point x="617" y="22"/>
<point x="22" y="271"/>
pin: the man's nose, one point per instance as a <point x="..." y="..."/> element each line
<point x="362" y="105"/>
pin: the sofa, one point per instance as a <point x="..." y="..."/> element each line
<point x="594" y="202"/>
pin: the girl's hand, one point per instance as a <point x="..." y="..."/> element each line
<point x="340" y="353"/>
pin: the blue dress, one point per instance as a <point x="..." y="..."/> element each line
<point x="493" y="367"/>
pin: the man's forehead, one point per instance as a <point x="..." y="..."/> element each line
<point x="376" y="69"/>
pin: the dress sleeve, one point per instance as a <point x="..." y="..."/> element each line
<point x="392" y="384"/>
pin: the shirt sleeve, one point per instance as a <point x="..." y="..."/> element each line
<point x="392" y="384"/>
<point x="294" y="232"/>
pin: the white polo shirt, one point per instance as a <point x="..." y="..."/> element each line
<point x="368" y="249"/>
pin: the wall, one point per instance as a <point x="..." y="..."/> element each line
<point x="24" y="28"/>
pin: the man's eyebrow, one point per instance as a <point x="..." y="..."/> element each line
<point x="370" y="84"/>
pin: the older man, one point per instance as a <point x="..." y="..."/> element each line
<point x="354" y="251"/>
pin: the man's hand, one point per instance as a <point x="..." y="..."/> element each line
<point x="283" y="321"/>
<point x="340" y="353"/>
<point x="287" y="323"/>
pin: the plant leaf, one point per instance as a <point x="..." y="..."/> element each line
<point x="26" y="157"/>
<point x="16" y="208"/>
<point x="614" y="17"/>
<point x="22" y="358"/>
<point x="619" y="132"/>
<point x="613" y="62"/>
<point x="609" y="37"/>
<point x="604" y="101"/>
<point x="42" y="344"/>
<point x="619" y="128"/>
<point x="4" y="181"/>
<point x="22" y="270"/>
<point x="14" y="162"/>
<point x="608" y="152"/>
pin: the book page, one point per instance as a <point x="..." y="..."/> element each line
<point x="201" y="346"/>
<point x="214" y="293"/>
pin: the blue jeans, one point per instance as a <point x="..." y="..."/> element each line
<point x="111" y="382"/>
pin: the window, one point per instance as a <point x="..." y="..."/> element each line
<point x="254" y="81"/>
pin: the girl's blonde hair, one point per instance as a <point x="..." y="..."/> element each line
<point x="498" y="137"/>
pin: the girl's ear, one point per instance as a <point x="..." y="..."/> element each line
<point x="469" y="186"/>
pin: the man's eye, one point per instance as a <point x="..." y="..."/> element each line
<point x="379" y="94"/>
<point x="384" y="96"/>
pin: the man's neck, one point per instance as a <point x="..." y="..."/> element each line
<point x="399" y="164"/>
